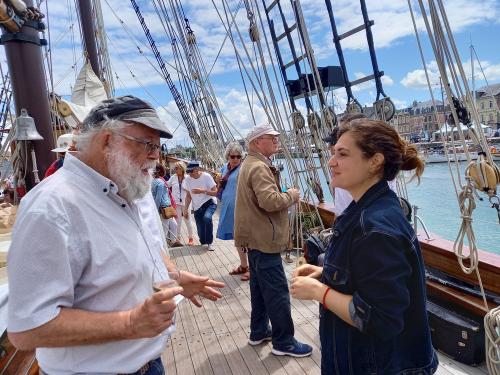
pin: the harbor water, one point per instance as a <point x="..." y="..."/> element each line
<point x="438" y="206"/>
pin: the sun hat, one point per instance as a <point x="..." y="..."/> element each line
<point x="126" y="108"/>
<point x="63" y="142"/>
<point x="260" y="130"/>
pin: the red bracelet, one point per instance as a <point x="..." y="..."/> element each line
<point x="324" y="296"/>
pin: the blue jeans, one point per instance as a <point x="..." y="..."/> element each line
<point x="204" y="223"/>
<point x="155" y="368"/>
<point x="270" y="298"/>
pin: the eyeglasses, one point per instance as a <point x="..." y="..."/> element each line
<point x="235" y="156"/>
<point x="149" y="147"/>
<point x="273" y="139"/>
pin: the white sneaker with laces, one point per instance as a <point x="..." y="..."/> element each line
<point x="211" y="247"/>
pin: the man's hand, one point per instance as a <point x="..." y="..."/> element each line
<point x="155" y="314"/>
<point x="308" y="270"/>
<point x="198" y="191"/>
<point x="194" y="285"/>
<point x="294" y="193"/>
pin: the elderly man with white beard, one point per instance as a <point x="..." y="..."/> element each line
<point x="86" y="250"/>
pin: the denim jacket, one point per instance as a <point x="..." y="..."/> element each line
<point x="374" y="255"/>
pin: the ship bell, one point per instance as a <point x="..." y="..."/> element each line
<point x="25" y="128"/>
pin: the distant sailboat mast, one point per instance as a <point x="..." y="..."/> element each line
<point x="473" y="81"/>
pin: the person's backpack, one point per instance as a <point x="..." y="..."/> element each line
<point x="314" y="247"/>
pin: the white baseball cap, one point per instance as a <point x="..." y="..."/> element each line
<point x="63" y="143"/>
<point x="260" y="130"/>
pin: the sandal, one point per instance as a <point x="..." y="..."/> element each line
<point x="239" y="270"/>
<point x="245" y="277"/>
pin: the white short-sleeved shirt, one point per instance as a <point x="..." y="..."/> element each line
<point x="205" y="182"/>
<point x="77" y="244"/>
<point x="343" y="198"/>
<point x="178" y="192"/>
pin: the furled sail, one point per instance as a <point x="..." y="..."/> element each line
<point x="87" y="92"/>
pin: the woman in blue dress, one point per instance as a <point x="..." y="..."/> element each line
<point x="227" y="197"/>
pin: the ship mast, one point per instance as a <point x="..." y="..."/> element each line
<point x="89" y="35"/>
<point x="29" y="88"/>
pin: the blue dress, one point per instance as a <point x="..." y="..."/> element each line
<point x="227" y="203"/>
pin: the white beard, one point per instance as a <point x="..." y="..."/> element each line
<point x="128" y="176"/>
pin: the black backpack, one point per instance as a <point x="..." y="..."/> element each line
<point x="314" y="247"/>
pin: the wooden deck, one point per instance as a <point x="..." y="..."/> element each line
<point x="213" y="339"/>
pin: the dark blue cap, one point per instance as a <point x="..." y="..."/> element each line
<point x="192" y="165"/>
<point x="126" y="108"/>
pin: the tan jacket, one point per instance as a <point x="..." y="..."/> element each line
<point x="261" y="213"/>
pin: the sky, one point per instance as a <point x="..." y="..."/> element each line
<point x="135" y="68"/>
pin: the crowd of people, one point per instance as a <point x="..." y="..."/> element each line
<point x="102" y="224"/>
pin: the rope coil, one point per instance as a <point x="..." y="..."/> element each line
<point x="492" y="331"/>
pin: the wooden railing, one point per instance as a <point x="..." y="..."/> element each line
<point x="438" y="254"/>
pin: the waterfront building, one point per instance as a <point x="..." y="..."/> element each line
<point x="488" y="104"/>
<point x="419" y="121"/>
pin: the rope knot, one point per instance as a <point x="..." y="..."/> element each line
<point x="466" y="218"/>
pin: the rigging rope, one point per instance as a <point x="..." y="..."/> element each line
<point x="481" y="175"/>
<point x="201" y="101"/>
<point x="492" y="331"/>
<point x="271" y="109"/>
<point x="134" y="76"/>
<point x="106" y="75"/>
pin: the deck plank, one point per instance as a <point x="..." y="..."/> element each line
<point x="205" y="338"/>
<point x="218" y="332"/>
<point x="213" y="339"/>
<point x="303" y="327"/>
<point x="238" y="329"/>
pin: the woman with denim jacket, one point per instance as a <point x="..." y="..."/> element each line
<point x="371" y="287"/>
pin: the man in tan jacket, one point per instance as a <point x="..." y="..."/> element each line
<point x="261" y="226"/>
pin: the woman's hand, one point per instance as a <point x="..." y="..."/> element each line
<point x="308" y="270"/>
<point x="303" y="287"/>
<point x="198" y="191"/>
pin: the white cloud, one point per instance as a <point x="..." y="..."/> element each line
<point x="491" y="71"/>
<point x="233" y="104"/>
<point x="392" y="23"/>
<point x="417" y="79"/>
<point x="370" y="85"/>
<point x="392" y="19"/>
<point x="399" y="104"/>
<point x="387" y="81"/>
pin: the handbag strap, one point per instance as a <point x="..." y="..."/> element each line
<point x="180" y="188"/>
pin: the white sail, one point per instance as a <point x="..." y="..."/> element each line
<point x="87" y="92"/>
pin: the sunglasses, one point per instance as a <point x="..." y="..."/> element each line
<point x="235" y="156"/>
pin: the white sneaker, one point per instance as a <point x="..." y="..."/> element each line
<point x="211" y="247"/>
